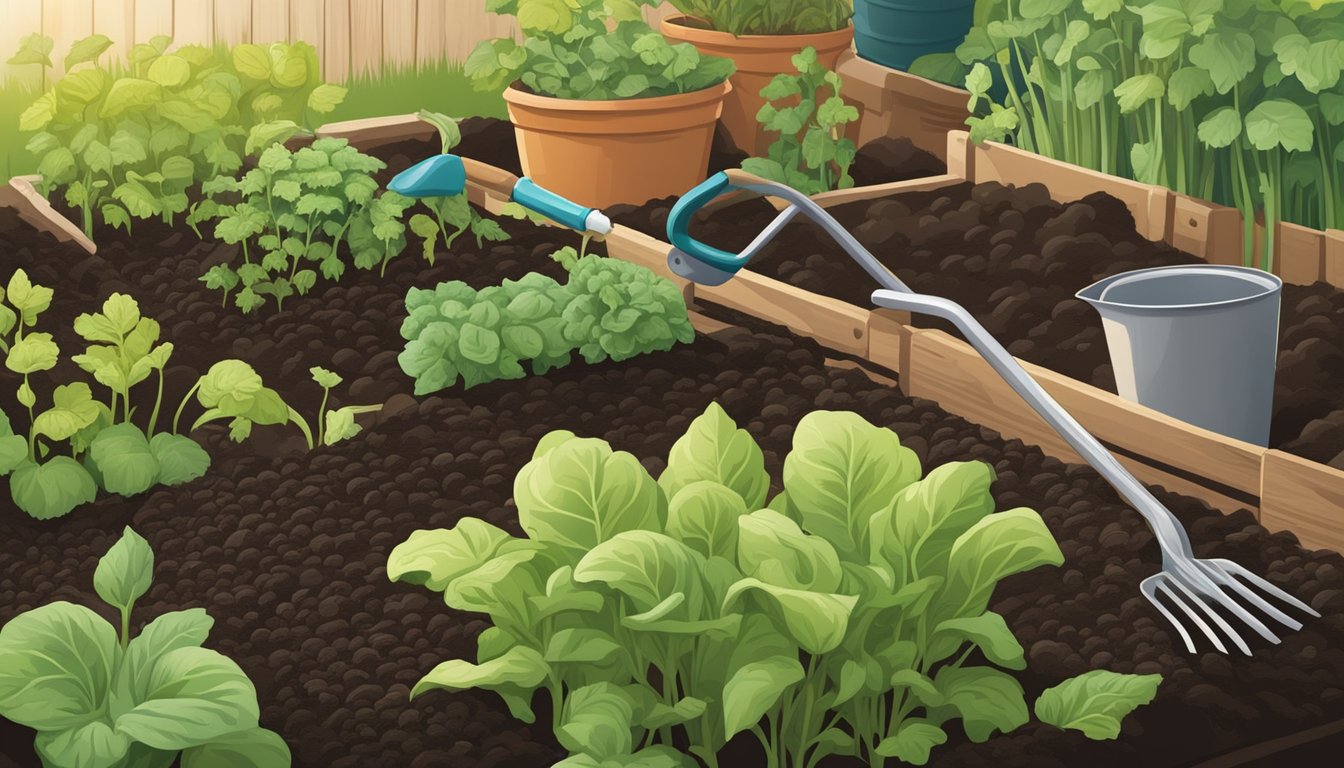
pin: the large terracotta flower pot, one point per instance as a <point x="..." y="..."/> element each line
<point x="600" y="153"/>
<point x="758" y="58"/>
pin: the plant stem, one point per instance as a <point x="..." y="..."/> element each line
<point x="177" y="417"/>
<point x="302" y="425"/>
<point x="158" y="401"/>
<point x="321" y="417"/>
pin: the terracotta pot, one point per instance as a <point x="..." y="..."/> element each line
<point x="600" y="153"/>
<point x="758" y="58"/>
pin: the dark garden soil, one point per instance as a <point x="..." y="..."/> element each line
<point x="286" y="548"/>
<point x="1015" y="258"/>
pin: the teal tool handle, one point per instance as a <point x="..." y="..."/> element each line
<point x="679" y="222"/>
<point x="554" y="207"/>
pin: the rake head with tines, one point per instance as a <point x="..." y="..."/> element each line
<point x="1206" y="592"/>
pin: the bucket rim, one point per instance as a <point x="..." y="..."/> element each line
<point x="1270" y="283"/>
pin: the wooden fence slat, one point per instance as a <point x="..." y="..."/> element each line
<point x="193" y="21"/>
<point x="336" y="36"/>
<point x="270" y="21"/>
<point x="22" y="18"/>
<point x="306" y="24"/>
<point x="65" y="23"/>
<point x="366" y="37"/>
<point x="431" y="32"/>
<point x="157" y="17"/>
<point x="233" y="22"/>
<point x="949" y="370"/>
<point x="116" y="19"/>
<point x="399" y="33"/>
<point x="1304" y="497"/>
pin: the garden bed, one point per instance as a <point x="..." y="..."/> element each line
<point x="286" y="548"/>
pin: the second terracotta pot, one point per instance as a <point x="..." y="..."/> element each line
<point x="600" y="153"/>
<point x="758" y="58"/>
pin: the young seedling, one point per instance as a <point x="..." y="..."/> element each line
<point x="335" y="426"/>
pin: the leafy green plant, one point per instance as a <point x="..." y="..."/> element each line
<point x="1231" y="101"/>
<point x="769" y="17"/>
<point x="292" y="212"/>
<point x="450" y="213"/>
<point x="806" y="110"/>
<point x="607" y="309"/>
<point x="99" y="697"/>
<point x="132" y="141"/>
<point x="568" y="52"/>
<point x="839" y="618"/>
<point x="338" y="424"/>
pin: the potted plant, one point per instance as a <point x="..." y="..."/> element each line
<point x="603" y="114"/>
<point x="761" y="37"/>
<point x="894" y="33"/>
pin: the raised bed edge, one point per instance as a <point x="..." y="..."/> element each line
<point x="21" y="194"/>
<point x="1210" y="231"/>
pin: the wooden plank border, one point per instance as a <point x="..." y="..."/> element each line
<point x="1304" y="497"/>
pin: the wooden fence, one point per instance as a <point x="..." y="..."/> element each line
<point x="353" y="37"/>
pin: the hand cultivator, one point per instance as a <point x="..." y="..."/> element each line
<point x="1217" y="596"/>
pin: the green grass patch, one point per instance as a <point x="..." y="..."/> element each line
<point x="14" y="159"/>
<point x="440" y="87"/>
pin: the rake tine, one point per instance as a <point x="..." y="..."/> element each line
<point x="1195" y="617"/>
<point x="1218" y="619"/>
<point x="1149" y="589"/>
<point x="1255" y="600"/>
<point x="1265" y="585"/>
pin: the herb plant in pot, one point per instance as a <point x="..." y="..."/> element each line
<point x="604" y="114"/>
<point x="761" y="37"/>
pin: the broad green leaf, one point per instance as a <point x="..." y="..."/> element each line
<point x="40" y="113"/>
<point x="266" y="134"/>
<point x="1220" y="127"/>
<point x="324" y="378"/>
<point x="1096" y="702"/>
<point x="1279" y="123"/>
<point x="581" y="494"/>
<point x="713" y="448"/>
<point x="73" y="410"/>
<point x="653" y="570"/>
<point x="177" y="629"/>
<point x="252" y="748"/>
<point x="815" y="621"/>
<point x="840" y="472"/>
<point x="771" y="547"/>
<point x="231" y="386"/>
<point x="916" y="532"/>
<point x="755" y="688"/>
<point x="1187" y="84"/>
<point x="580" y="645"/>
<point x="912" y="742"/>
<point x="92" y="745"/>
<point x="988" y="632"/>
<point x="169" y="71"/>
<point x="252" y="61"/>
<point x="434" y="558"/>
<point x="987" y="699"/>
<point x="598" y="721"/>
<point x="124" y="460"/>
<point x="1137" y="91"/>
<point x="479" y="345"/>
<point x="326" y="98"/>
<point x="52" y="489"/>
<point x="29" y="299"/>
<point x="81" y="87"/>
<point x="1227" y="55"/>
<point x="129" y="93"/>
<point x="999" y="545"/>
<point x="704" y="516"/>
<point x="124" y="574"/>
<point x="519" y="667"/>
<point x="194" y="695"/>
<point x="54" y="662"/>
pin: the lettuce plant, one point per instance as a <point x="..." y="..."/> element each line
<point x="769" y="17"/>
<point x="100" y="698"/>
<point x="607" y="309"/>
<point x="806" y="110"/>
<point x="840" y="617"/>
<point x="132" y="141"/>
<point x="290" y="215"/>
<point x="569" y="52"/>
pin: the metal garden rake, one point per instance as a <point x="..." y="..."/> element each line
<point x="1212" y="594"/>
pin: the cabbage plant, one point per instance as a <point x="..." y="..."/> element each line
<point x="847" y="614"/>
<point x="100" y="698"/>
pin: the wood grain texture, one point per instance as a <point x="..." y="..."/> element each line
<point x="890" y="335"/>
<point x="116" y="19"/>
<point x="832" y="323"/>
<point x="21" y="195"/>
<point x="1207" y="230"/>
<point x="960" y="159"/>
<point x="307" y="23"/>
<point x="1304" y="497"/>
<point x="22" y="18"/>
<point x="399" y="33"/>
<point x="431" y="31"/>
<point x="947" y="369"/>
<point x="1334" y="257"/>
<point x="367" y="133"/>
<point x="896" y="103"/>
<point x="270" y="21"/>
<point x="157" y="17"/>
<point x="854" y="194"/>
<point x="336" y="36"/>
<point x="233" y="22"/>
<point x="366" y="37"/>
<point x="1301" y="254"/>
<point x="193" y="22"/>
<point x="638" y="248"/>
<point x="64" y="23"/>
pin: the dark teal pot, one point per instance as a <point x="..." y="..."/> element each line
<point x="894" y="33"/>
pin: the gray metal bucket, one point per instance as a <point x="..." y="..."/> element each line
<point x="1195" y="342"/>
